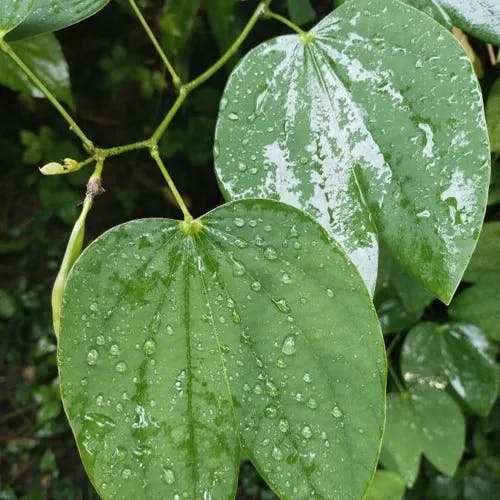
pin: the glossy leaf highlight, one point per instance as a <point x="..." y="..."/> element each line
<point x="52" y="15"/>
<point x="453" y="354"/>
<point x="342" y="124"/>
<point x="12" y="13"/>
<point x="180" y="344"/>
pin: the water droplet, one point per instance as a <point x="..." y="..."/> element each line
<point x="306" y="432"/>
<point x="256" y="286"/>
<point x="114" y="350"/>
<point x="100" y="340"/>
<point x="337" y="412"/>
<point x="169" y="330"/>
<point x="312" y="403"/>
<point x="307" y="378"/>
<point x="282" y="305"/>
<point x="99" y="399"/>
<point x="239" y="268"/>
<point x="92" y="357"/>
<point x="270" y="253"/>
<point x="94" y="307"/>
<point x="242" y="167"/>
<point x="270" y="412"/>
<point x="121" y="366"/>
<point x="271" y="389"/>
<point x="257" y="389"/>
<point x="283" y="425"/>
<point x="126" y="473"/>
<point x="149" y="346"/>
<point x="289" y="346"/>
<point x="281" y="363"/>
<point x="277" y="453"/>
<point x="223" y="103"/>
<point x="239" y="222"/>
<point x="330" y="293"/>
<point x="236" y="317"/>
<point x="286" y="279"/>
<point x="168" y="476"/>
<point x="233" y="116"/>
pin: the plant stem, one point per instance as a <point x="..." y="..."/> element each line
<point x="160" y="130"/>
<point x="393" y="343"/>
<point x="268" y="13"/>
<point x="395" y="377"/>
<point x="175" y="77"/>
<point x="125" y="148"/>
<point x="178" y="198"/>
<point x="87" y="143"/>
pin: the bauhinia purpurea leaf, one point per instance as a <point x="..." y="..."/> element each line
<point x="51" y="15"/>
<point x="254" y="329"/>
<point x="12" y="13"/>
<point x="454" y="354"/>
<point x="373" y="123"/>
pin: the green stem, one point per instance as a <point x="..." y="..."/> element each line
<point x="395" y="377"/>
<point x="87" y="143"/>
<point x="169" y="116"/>
<point x="125" y="148"/>
<point x="268" y="13"/>
<point x="175" y="77"/>
<point x="178" y="198"/>
<point x="393" y="343"/>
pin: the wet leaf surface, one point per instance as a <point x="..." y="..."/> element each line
<point x="176" y="349"/>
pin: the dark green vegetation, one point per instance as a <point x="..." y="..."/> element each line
<point x="443" y="429"/>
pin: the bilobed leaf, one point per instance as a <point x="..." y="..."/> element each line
<point x="45" y="58"/>
<point x="178" y="343"/>
<point x="493" y="116"/>
<point x="480" y="18"/>
<point x="479" y="305"/>
<point x="12" y="13"/>
<point x="424" y="421"/>
<point x="342" y="123"/>
<point x="386" y="485"/>
<point x="301" y="11"/>
<point x="456" y="354"/>
<point x="52" y="15"/>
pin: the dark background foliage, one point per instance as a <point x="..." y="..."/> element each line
<point x="121" y="92"/>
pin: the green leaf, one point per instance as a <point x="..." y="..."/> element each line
<point x="485" y="263"/>
<point x="252" y="328"/>
<point x="433" y="9"/>
<point x="386" y="485"/>
<point x="45" y="58"/>
<point x="177" y="21"/>
<point x="424" y="421"/>
<point x="301" y="11"/>
<point x="13" y="13"/>
<point x="480" y="18"/>
<point x="493" y="116"/>
<point x="224" y="22"/>
<point x="454" y="354"/>
<point x="479" y="305"/>
<point x="53" y="15"/>
<point x="344" y="126"/>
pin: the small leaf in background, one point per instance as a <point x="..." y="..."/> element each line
<point x="251" y="329"/>
<point x="479" y="305"/>
<point x="456" y="354"/>
<point x="485" y="262"/>
<point x="224" y="22"/>
<point x="324" y="125"/>
<point x="423" y="421"/>
<point x="301" y="11"/>
<point x="7" y="304"/>
<point x="52" y="15"/>
<point x="13" y="13"/>
<point x="493" y="116"/>
<point x="386" y="485"/>
<point x="43" y="55"/>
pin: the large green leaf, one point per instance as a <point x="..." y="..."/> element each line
<point x="424" y="421"/>
<point x="372" y="127"/>
<point x="493" y="116"/>
<point x="481" y="18"/>
<point x="179" y="344"/>
<point x="12" y="13"/>
<point x="479" y="305"/>
<point x="485" y="263"/>
<point x="455" y="354"/>
<point x="53" y="15"/>
<point x="386" y="485"/>
<point x="45" y="58"/>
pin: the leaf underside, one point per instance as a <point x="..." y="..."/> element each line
<point x="53" y="15"/>
<point x="257" y="334"/>
<point x="374" y="129"/>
